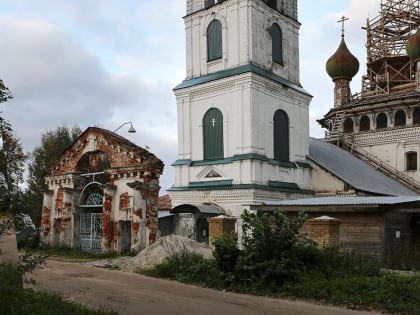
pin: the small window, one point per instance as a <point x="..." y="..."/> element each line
<point x="271" y="3"/>
<point x="416" y="116"/>
<point x="210" y="3"/>
<point x="277" y="43"/>
<point x="348" y="125"/>
<point x="399" y="119"/>
<point x="214" y="40"/>
<point x="281" y="136"/>
<point x="381" y="121"/>
<point x="364" y="123"/>
<point x="213" y="134"/>
<point x="411" y="161"/>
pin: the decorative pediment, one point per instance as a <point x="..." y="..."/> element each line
<point x="97" y="143"/>
<point x="210" y="172"/>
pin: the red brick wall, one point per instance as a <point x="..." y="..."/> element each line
<point x="218" y="226"/>
<point x="325" y="232"/>
<point x="360" y="231"/>
<point x="45" y="222"/>
<point x="107" y="223"/>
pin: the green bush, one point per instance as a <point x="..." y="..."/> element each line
<point x="273" y="250"/>
<point x="190" y="267"/>
<point x="333" y="261"/>
<point x="226" y="251"/>
<point x="11" y="290"/>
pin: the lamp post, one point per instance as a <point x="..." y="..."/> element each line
<point x="130" y="130"/>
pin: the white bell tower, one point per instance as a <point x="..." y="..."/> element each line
<point x="243" y="116"/>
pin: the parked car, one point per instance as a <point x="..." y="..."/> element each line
<point x="25" y="228"/>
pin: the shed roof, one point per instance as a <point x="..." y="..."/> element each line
<point x="354" y="171"/>
<point x="347" y="201"/>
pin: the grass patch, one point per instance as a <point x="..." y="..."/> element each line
<point x="392" y="293"/>
<point x="73" y="253"/>
<point x="43" y="303"/>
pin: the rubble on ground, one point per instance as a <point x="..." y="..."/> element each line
<point x="156" y="253"/>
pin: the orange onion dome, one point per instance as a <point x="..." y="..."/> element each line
<point x="342" y="64"/>
<point x="413" y="46"/>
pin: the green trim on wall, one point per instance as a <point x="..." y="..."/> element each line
<point x="211" y="162"/>
<point x="224" y="185"/>
<point x="250" y="156"/>
<point x="303" y="164"/>
<point x="181" y="162"/>
<point x="243" y="157"/>
<point x="240" y="70"/>
<point x="213" y="183"/>
<point x="283" y="163"/>
<point x="286" y="185"/>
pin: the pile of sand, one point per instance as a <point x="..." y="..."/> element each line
<point x="156" y="253"/>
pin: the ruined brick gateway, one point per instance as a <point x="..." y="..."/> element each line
<point x="102" y="195"/>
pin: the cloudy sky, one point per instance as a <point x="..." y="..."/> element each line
<point x="106" y="62"/>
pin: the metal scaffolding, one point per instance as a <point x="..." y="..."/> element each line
<point x="389" y="69"/>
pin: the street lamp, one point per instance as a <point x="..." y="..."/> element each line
<point x="130" y="130"/>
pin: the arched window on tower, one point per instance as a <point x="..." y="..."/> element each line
<point x="213" y="134"/>
<point x="399" y="119"/>
<point x="214" y="40"/>
<point x="348" y="125"/>
<point x="411" y="161"/>
<point x="381" y="121"/>
<point x="281" y="136"/>
<point x="277" y="43"/>
<point x="364" y="123"/>
<point x="416" y="116"/>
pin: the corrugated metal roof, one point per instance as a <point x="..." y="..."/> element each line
<point x="354" y="171"/>
<point x="346" y="201"/>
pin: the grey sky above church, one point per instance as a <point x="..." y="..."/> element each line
<point x="103" y="63"/>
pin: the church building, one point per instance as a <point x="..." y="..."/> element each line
<point x="243" y="127"/>
<point x="243" y="115"/>
<point x="381" y="124"/>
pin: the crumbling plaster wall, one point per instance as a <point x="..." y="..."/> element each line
<point x="131" y="194"/>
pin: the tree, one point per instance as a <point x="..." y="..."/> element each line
<point x="12" y="165"/>
<point x="5" y="94"/>
<point x="53" y="143"/>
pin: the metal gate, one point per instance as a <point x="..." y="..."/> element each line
<point x="91" y="232"/>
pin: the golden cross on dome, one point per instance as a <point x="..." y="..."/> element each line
<point x="342" y="20"/>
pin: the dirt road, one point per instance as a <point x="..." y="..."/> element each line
<point x="129" y="293"/>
